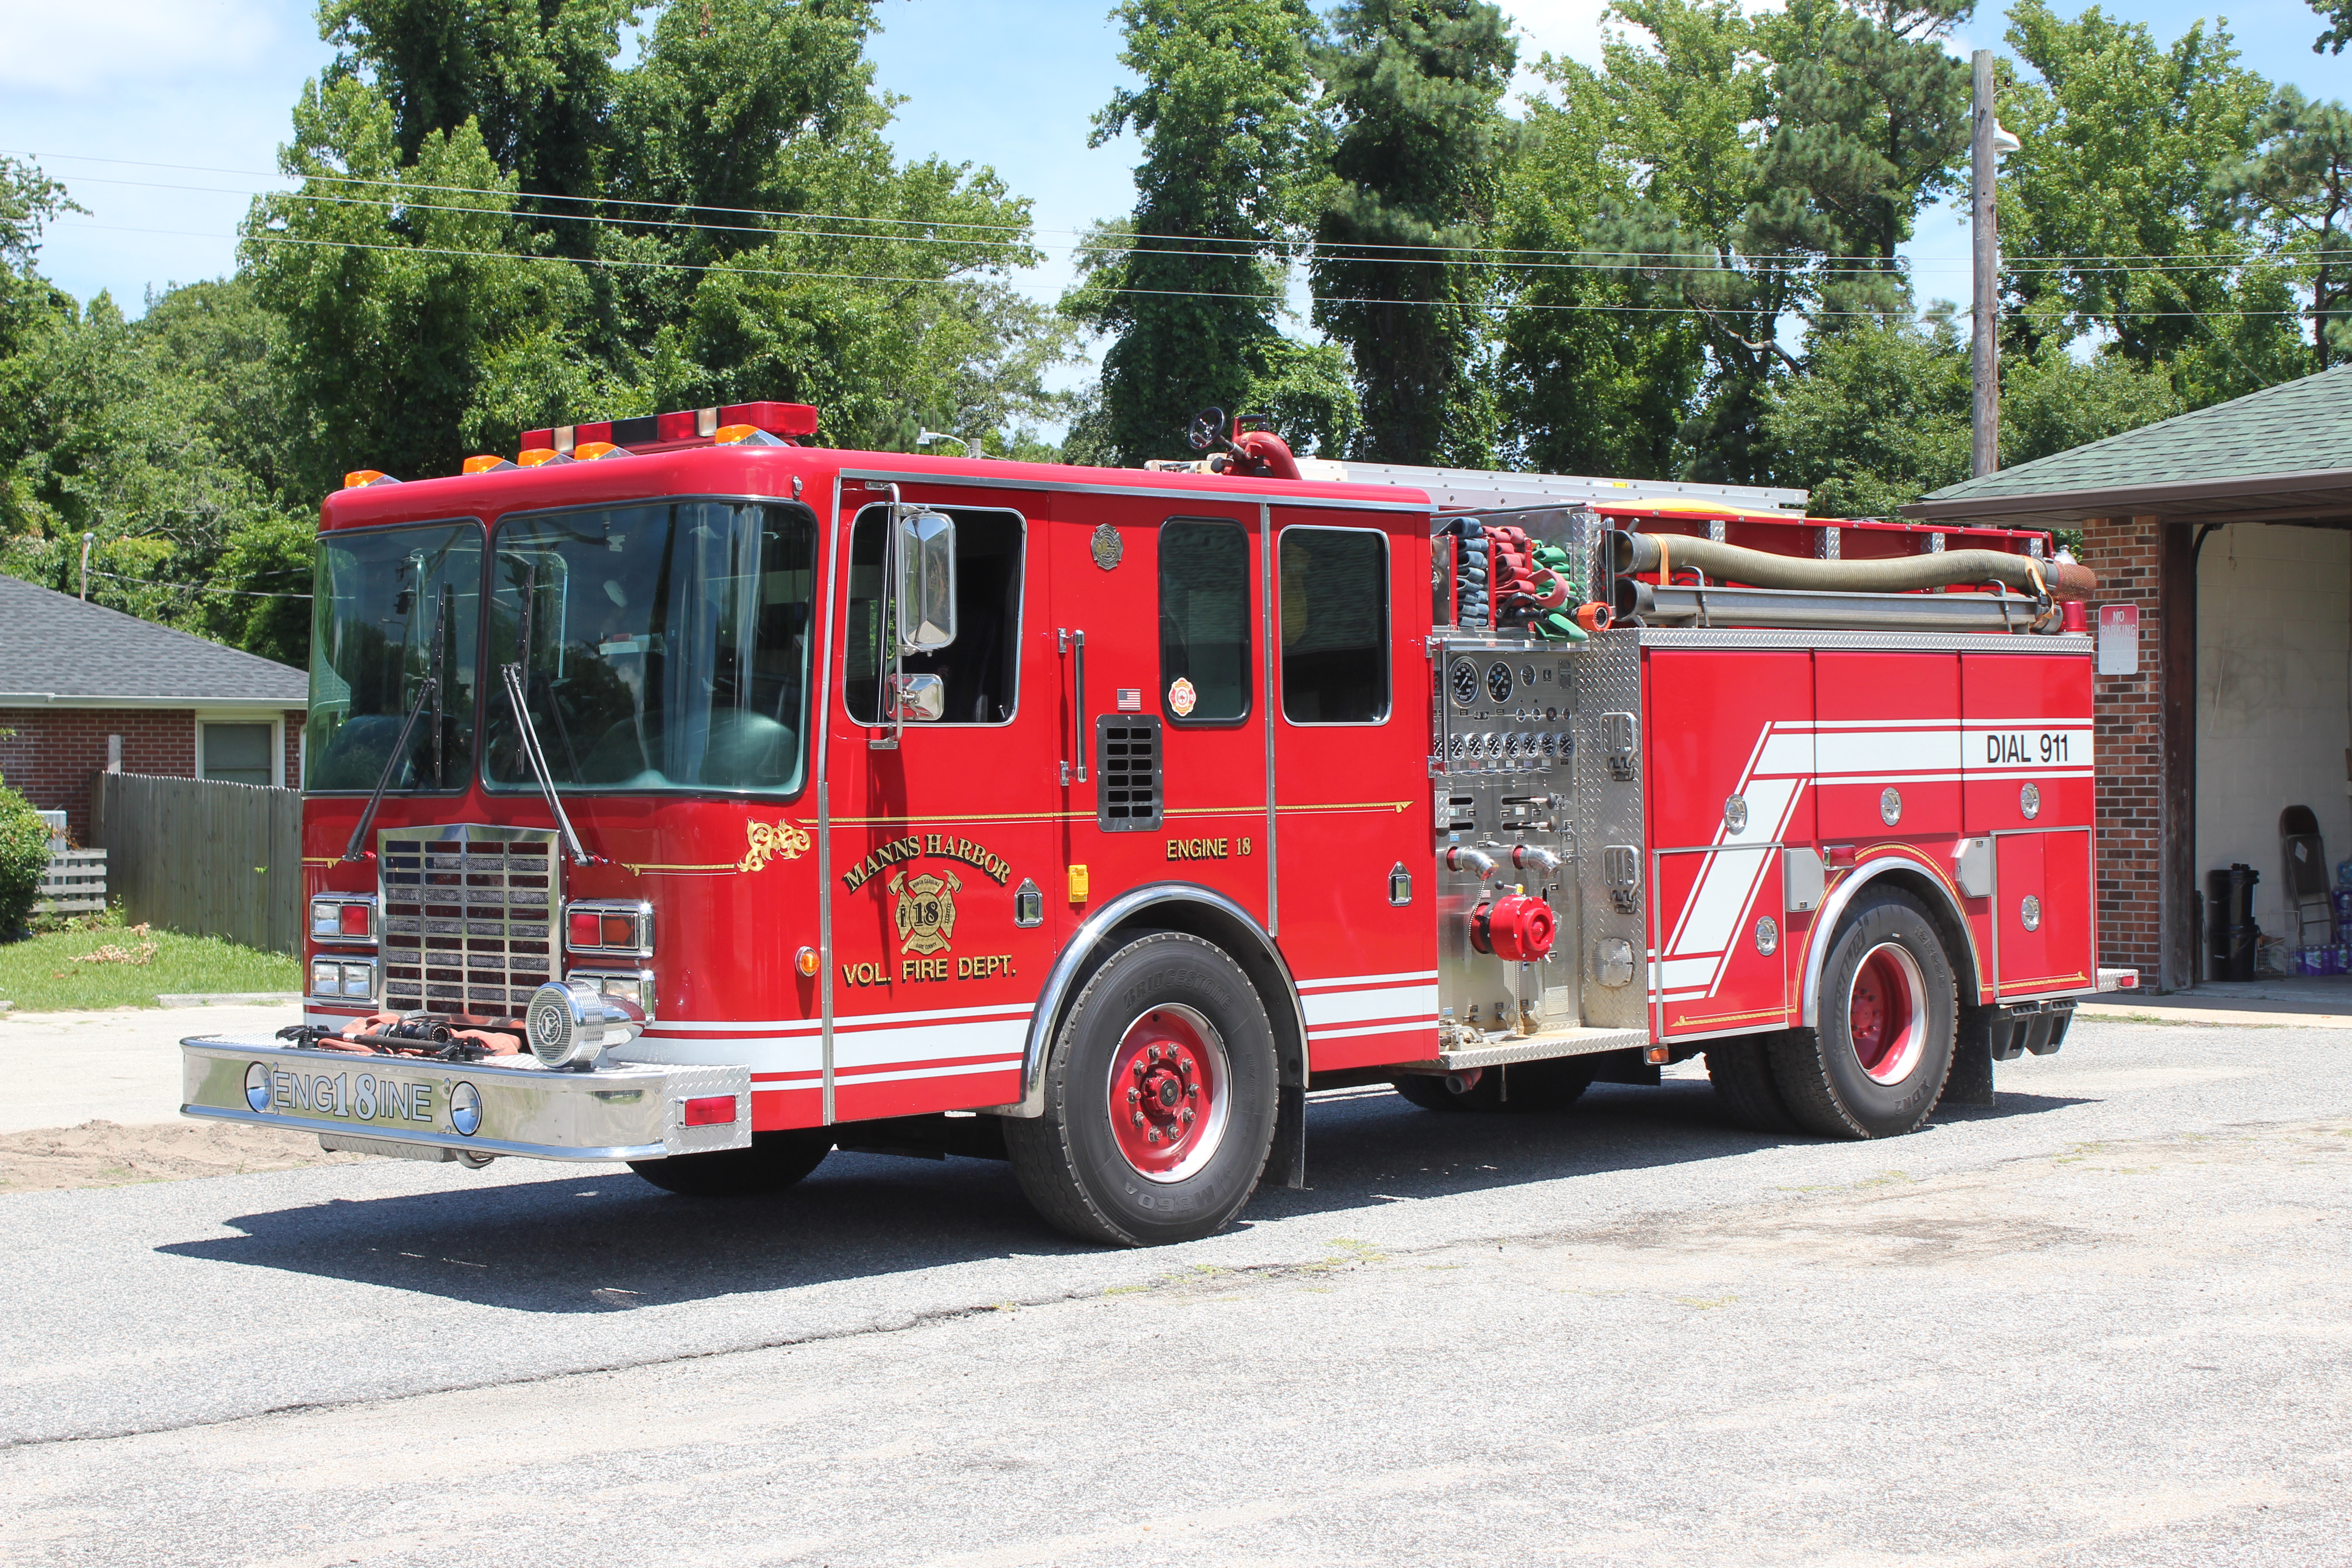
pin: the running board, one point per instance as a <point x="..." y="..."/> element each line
<point x="1507" y="1049"/>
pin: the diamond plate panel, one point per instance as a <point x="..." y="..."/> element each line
<point x="1609" y="812"/>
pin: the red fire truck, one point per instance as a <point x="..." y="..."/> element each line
<point x="689" y="794"/>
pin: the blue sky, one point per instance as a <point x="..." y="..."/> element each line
<point x="1012" y="83"/>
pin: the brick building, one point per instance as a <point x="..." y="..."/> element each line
<point x="2229" y="531"/>
<point x="87" y="689"/>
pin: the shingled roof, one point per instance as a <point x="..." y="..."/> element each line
<point x="2282" y="453"/>
<point x="56" y="650"/>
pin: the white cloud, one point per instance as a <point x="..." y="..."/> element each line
<point x="64" y="49"/>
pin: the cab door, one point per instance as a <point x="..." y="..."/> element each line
<point x="1157" y="630"/>
<point x="1355" y="891"/>
<point x="941" y="842"/>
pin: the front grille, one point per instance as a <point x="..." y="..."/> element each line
<point x="466" y="918"/>
<point x="1126" y="754"/>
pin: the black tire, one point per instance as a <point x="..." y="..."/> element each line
<point x="1821" y="1073"/>
<point x="1071" y="1161"/>
<point x="774" y="1160"/>
<point x="1534" y="1087"/>
<point x="1741" y="1071"/>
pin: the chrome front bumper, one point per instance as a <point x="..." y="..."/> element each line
<point x="468" y="1111"/>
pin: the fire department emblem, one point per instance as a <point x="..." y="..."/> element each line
<point x="925" y="914"/>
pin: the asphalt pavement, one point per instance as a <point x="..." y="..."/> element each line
<point x="2104" y="1321"/>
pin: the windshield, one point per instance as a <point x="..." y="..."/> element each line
<point x="390" y="608"/>
<point x="668" y="644"/>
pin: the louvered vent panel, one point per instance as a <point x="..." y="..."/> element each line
<point x="1127" y="766"/>
<point x="467" y="923"/>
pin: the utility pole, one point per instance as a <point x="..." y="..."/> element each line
<point x="87" y="540"/>
<point x="1983" y="321"/>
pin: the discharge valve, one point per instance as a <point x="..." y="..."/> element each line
<point x="1514" y="926"/>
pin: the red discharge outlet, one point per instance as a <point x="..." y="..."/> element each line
<point x="1515" y="927"/>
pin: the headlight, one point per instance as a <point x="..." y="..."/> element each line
<point x="343" y="918"/>
<point x="573" y="1024"/>
<point x="343" y="979"/>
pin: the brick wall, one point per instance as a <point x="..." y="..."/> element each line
<point x="2128" y="723"/>
<point x="55" y="750"/>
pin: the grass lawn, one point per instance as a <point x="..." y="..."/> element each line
<point x="39" y="974"/>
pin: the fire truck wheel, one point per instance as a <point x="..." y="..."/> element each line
<point x="1876" y="1066"/>
<point x="774" y="1160"/>
<point x="1532" y="1086"/>
<point x="1741" y="1071"/>
<point x="1160" y="1099"/>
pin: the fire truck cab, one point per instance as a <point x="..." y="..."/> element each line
<point x="688" y="795"/>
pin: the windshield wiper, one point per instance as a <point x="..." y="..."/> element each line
<point x="527" y="743"/>
<point x="424" y="694"/>
<point x="429" y="693"/>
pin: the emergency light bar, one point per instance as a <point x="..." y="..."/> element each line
<point x="653" y="432"/>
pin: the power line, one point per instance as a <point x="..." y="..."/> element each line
<point x="624" y="262"/>
<point x="1651" y="263"/>
<point x="195" y="587"/>
<point x="1252" y="246"/>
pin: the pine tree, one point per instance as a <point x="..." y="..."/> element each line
<point x="1414" y="89"/>
<point x="1190" y="285"/>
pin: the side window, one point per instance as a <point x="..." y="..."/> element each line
<point x="982" y="666"/>
<point x="1335" y="625"/>
<point x="1205" y="622"/>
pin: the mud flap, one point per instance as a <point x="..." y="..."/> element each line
<point x="1971" y="1079"/>
<point x="1286" y="1161"/>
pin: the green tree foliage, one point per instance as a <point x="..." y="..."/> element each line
<point x="2297" y="195"/>
<point x="535" y="80"/>
<point x="24" y="860"/>
<point x="1780" y="159"/>
<point x="1413" y="89"/>
<point x="1882" y="413"/>
<point x="2111" y="219"/>
<point x="1190" y="287"/>
<point x="153" y="437"/>
<point x="1590" y="379"/>
<point x="2337" y="14"/>
<point x="491" y="235"/>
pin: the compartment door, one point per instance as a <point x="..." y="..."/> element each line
<point x="1350" y="730"/>
<point x="1721" y="940"/>
<point x="2025" y="742"/>
<point x="2042" y="912"/>
<point x="1889" y="746"/>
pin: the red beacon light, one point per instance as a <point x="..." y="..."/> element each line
<point x="754" y="423"/>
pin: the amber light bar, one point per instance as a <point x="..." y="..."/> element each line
<point x="689" y="426"/>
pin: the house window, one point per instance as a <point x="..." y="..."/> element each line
<point x="236" y="753"/>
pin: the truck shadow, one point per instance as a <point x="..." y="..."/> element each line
<point x="605" y="1241"/>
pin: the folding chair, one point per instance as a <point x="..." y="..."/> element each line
<point x="2305" y="889"/>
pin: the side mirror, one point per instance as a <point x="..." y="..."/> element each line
<point x="926" y="588"/>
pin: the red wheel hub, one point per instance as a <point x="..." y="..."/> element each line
<point x="1886" y="1012"/>
<point x="1168" y="1092"/>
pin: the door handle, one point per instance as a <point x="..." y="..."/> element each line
<point x="1075" y="642"/>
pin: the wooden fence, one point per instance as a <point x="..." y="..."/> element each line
<point x="211" y="860"/>
<point x="74" y="884"/>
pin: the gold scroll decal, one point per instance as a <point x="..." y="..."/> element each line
<point x="781" y="841"/>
